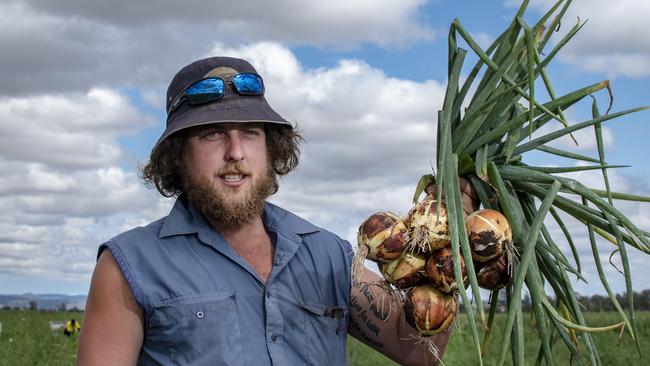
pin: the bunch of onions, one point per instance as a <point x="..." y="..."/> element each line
<point x="492" y="117"/>
<point x="381" y="238"/>
<point x="427" y="226"/>
<point x="440" y="270"/>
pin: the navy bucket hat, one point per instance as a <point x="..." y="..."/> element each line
<point x="232" y="107"/>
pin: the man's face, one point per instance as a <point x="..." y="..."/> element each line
<point x="227" y="175"/>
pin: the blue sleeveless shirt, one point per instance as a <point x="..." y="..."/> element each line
<point x="204" y="305"/>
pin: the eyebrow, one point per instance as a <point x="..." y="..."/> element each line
<point x="221" y="127"/>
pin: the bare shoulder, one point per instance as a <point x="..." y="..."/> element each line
<point x="113" y="326"/>
<point x="109" y="284"/>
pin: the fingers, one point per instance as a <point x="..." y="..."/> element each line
<point x="469" y="197"/>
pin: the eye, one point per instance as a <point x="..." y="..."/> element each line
<point x="252" y="132"/>
<point x="212" y="134"/>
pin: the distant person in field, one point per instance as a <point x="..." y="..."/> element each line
<point x="71" y="327"/>
<point x="227" y="278"/>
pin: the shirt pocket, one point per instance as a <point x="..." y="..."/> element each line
<point x="326" y="332"/>
<point x="200" y="329"/>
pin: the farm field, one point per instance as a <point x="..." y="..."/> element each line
<point x="461" y="348"/>
<point x="27" y="340"/>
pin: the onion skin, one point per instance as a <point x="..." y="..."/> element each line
<point x="428" y="231"/>
<point x="404" y="272"/>
<point x="384" y="234"/>
<point x="429" y="310"/>
<point x="489" y="234"/>
<point x="440" y="270"/>
<point x="494" y="274"/>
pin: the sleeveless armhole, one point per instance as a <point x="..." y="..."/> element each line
<point x="128" y="273"/>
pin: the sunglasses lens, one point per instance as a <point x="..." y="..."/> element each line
<point x="248" y="84"/>
<point x="205" y="91"/>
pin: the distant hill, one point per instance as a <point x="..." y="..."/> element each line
<point x="44" y="301"/>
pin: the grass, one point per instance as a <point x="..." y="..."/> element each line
<point x="27" y="340"/>
<point x="460" y="349"/>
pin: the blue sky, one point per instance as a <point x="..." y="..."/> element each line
<point x="81" y="104"/>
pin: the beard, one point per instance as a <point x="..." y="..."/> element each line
<point x="227" y="212"/>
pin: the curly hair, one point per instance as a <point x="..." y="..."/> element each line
<point x="165" y="167"/>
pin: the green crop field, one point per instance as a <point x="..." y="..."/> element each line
<point x="26" y="339"/>
<point x="461" y="348"/>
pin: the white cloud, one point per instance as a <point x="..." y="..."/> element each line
<point x="62" y="191"/>
<point x="308" y="21"/>
<point x="70" y="45"/>
<point x="74" y="131"/>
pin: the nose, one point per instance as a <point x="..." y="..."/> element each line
<point x="235" y="148"/>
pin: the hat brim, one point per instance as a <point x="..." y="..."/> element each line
<point x="240" y="109"/>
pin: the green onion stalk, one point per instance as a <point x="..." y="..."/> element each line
<point x="484" y="137"/>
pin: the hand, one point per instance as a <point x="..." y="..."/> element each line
<point x="468" y="195"/>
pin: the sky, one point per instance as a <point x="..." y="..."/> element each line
<point x="82" y="87"/>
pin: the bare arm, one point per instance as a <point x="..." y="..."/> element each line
<point x="391" y="336"/>
<point x="113" y="322"/>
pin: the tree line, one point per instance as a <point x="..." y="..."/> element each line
<point x="641" y="301"/>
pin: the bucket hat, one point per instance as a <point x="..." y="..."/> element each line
<point x="232" y="107"/>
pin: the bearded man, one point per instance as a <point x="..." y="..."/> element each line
<point x="228" y="278"/>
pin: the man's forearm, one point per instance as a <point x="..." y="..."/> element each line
<point x="377" y="319"/>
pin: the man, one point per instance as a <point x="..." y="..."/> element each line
<point x="227" y="278"/>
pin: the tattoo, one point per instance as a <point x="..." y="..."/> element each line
<point x="365" y="290"/>
<point x="362" y="335"/>
<point x="368" y="324"/>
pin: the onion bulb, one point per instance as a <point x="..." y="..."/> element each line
<point x="489" y="234"/>
<point x="381" y="238"/>
<point x="494" y="274"/>
<point x="404" y="272"/>
<point x="384" y="233"/>
<point x="427" y="230"/>
<point x="440" y="270"/>
<point x="429" y="310"/>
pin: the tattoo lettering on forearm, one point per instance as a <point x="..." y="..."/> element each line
<point x="379" y="311"/>
<point x="363" y="336"/>
<point x="365" y="290"/>
<point x="361" y="314"/>
<point x="382" y="315"/>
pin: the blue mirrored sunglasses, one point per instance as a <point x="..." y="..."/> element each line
<point x="213" y="88"/>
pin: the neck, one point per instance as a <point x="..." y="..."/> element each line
<point x="239" y="233"/>
<point x="252" y="243"/>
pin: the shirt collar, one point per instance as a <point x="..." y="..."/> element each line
<point x="185" y="219"/>
<point x="285" y="222"/>
<point x="181" y="220"/>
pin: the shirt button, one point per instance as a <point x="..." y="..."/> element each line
<point x="199" y="314"/>
<point x="274" y="337"/>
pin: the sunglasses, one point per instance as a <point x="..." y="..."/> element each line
<point x="213" y="88"/>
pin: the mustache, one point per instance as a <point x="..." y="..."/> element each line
<point x="234" y="168"/>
